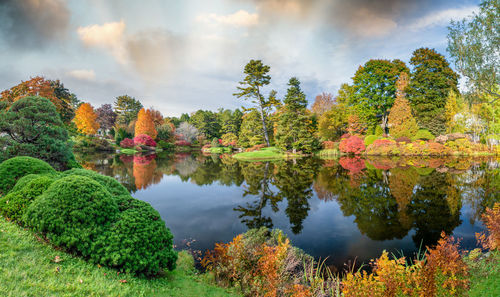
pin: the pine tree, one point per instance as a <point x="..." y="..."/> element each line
<point x="294" y="128"/>
<point x="86" y="119"/>
<point x="145" y="124"/>
<point x="401" y="121"/>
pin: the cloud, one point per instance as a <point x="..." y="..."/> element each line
<point x="442" y="17"/>
<point x="241" y="18"/>
<point x="152" y="53"/>
<point x="109" y="36"/>
<point x="32" y="23"/>
<point x="367" y="24"/>
<point x="82" y="74"/>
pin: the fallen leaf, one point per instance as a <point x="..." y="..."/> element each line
<point x="123" y="281"/>
<point x="57" y="259"/>
<point x="81" y="281"/>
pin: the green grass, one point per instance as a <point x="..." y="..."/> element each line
<point x="219" y="150"/>
<point x="485" y="274"/>
<point x="28" y="268"/>
<point x="127" y="151"/>
<point x="265" y="154"/>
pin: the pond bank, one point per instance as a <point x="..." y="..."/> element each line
<point x="31" y="267"/>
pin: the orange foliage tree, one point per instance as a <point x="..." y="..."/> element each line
<point x="401" y="121"/>
<point x="322" y="103"/>
<point x="38" y="86"/>
<point x="145" y="124"/>
<point x="156" y="116"/>
<point x="86" y="119"/>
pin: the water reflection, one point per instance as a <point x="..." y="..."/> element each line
<point x="383" y="203"/>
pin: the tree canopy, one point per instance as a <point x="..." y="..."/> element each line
<point x="126" y="109"/>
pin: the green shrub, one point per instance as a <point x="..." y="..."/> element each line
<point x="137" y="242"/>
<point x="166" y="146"/>
<point x="369" y="139"/>
<point x="111" y="184"/>
<point x="72" y="212"/>
<point x="378" y="131"/>
<point x="423" y="134"/>
<point x="14" y="204"/>
<point x="13" y="169"/>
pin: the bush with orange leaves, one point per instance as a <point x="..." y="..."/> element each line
<point x="491" y="219"/>
<point x="261" y="263"/>
<point x="442" y="273"/>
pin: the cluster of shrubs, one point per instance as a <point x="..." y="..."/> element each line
<point x="256" y="147"/>
<point x="263" y="263"/>
<point x="86" y="213"/>
<point x="85" y="143"/>
<point x="422" y="144"/>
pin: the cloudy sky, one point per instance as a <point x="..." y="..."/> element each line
<point x="180" y="56"/>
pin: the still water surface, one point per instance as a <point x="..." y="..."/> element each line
<point x="347" y="209"/>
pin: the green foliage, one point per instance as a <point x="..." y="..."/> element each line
<point x="166" y="146"/>
<point x="230" y="121"/>
<point x="14" y="204"/>
<point x="374" y="88"/>
<point x="137" y="242"/>
<point x="454" y="105"/>
<point x="72" y="212"/>
<point x="13" y="169"/>
<point x="251" y="130"/>
<point x="401" y="121"/>
<point x="333" y="123"/>
<point x="89" y="144"/>
<point x="109" y="183"/>
<point x="369" y="139"/>
<point x="121" y="134"/>
<point x="473" y="45"/>
<point x="206" y="122"/>
<point x="165" y="132"/>
<point x="423" y="134"/>
<point x="250" y="88"/>
<point x="294" y="129"/>
<point x="32" y="127"/>
<point x="431" y="81"/>
<point x="126" y="109"/>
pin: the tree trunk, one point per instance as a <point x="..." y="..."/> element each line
<point x="264" y="126"/>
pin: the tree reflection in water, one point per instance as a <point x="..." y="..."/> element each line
<point x="387" y="197"/>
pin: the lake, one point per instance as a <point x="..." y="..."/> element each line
<point x="346" y="210"/>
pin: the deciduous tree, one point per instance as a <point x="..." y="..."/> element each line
<point x="145" y="124"/>
<point x="333" y="123"/>
<point x="322" y="103"/>
<point x="474" y="46"/>
<point x="86" y="119"/>
<point x="431" y="80"/>
<point x="106" y="117"/>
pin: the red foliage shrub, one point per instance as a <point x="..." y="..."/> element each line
<point x="328" y="145"/>
<point x="143" y="139"/>
<point x="352" y="145"/>
<point x="127" y="143"/>
<point x="206" y="146"/>
<point x="182" y="143"/>
<point x="383" y="147"/>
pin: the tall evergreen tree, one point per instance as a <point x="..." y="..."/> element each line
<point x="294" y="126"/>
<point x="257" y="77"/>
<point x="431" y="80"/>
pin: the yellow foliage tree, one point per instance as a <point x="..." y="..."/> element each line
<point x="86" y="119"/>
<point x="145" y="124"/>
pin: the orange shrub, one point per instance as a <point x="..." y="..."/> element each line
<point x="255" y="148"/>
<point x="328" y="145"/>
<point x="491" y="219"/>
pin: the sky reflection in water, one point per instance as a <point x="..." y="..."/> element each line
<point x="340" y="209"/>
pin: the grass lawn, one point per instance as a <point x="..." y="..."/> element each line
<point x="28" y="268"/>
<point x="219" y="150"/>
<point x="127" y="151"/>
<point x="265" y="154"/>
<point x="485" y="275"/>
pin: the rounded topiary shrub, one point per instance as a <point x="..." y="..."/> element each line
<point x="369" y="139"/>
<point x="423" y="134"/>
<point x="14" y="204"/>
<point x="111" y="184"/>
<point x="137" y="242"/>
<point x="72" y="212"/>
<point x="13" y="169"/>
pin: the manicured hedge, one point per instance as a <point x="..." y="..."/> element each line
<point x="72" y="212"/>
<point x="111" y="184"/>
<point x="13" y="169"/>
<point x="14" y="204"/>
<point x="88" y="213"/>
